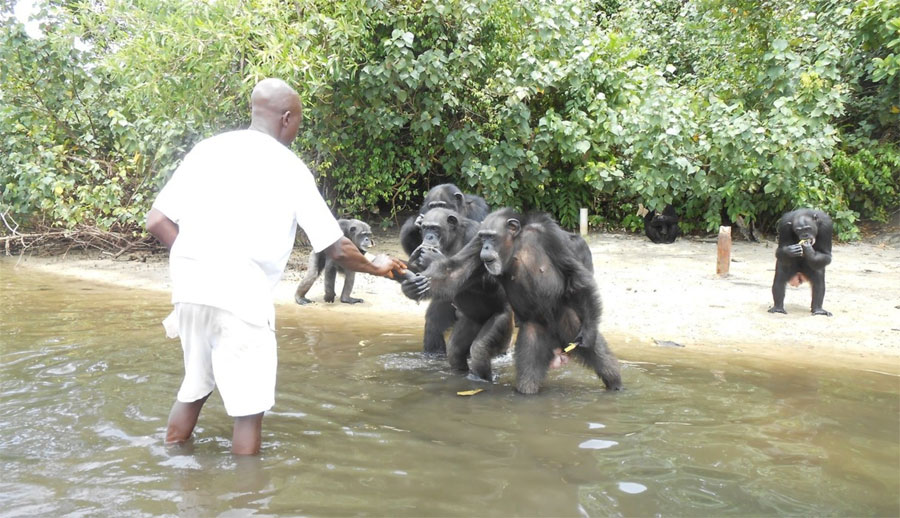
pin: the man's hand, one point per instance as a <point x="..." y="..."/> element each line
<point x="385" y="265"/>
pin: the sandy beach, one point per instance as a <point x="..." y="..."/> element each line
<point x="655" y="297"/>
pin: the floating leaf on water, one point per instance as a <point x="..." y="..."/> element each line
<point x="469" y="392"/>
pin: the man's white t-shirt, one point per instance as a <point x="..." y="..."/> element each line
<point x="237" y="198"/>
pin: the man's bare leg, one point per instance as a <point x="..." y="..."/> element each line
<point x="246" y="438"/>
<point x="183" y="419"/>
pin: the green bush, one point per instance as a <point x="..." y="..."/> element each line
<point x="735" y="107"/>
<point x="870" y="177"/>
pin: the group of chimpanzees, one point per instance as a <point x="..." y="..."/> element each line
<point x="488" y="272"/>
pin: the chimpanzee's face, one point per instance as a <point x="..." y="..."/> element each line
<point x="496" y="236"/>
<point x="438" y="227"/>
<point x="361" y="235"/>
<point x="805" y="227"/>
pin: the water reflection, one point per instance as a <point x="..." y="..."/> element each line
<point x="365" y="425"/>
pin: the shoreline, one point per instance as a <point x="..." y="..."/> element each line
<point x="651" y="295"/>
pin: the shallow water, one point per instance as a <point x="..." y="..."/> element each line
<point x="364" y="425"/>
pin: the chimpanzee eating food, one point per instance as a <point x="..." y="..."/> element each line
<point x="804" y="250"/>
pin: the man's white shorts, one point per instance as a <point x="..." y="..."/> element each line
<point x="221" y="349"/>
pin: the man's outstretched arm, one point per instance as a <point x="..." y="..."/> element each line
<point x="345" y="253"/>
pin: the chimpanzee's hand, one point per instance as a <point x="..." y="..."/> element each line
<point x="416" y="287"/>
<point x="795" y="250"/>
<point x="423" y="256"/>
<point x="806" y="248"/>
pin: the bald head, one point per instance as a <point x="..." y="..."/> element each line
<point x="275" y="110"/>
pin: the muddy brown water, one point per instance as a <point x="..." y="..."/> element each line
<point x="365" y="425"/>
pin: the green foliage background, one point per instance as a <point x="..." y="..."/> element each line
<point x="721" y="107"/>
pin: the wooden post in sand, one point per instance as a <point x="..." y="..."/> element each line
<point x="583" y="220"/>
<point x="723" y="260"/>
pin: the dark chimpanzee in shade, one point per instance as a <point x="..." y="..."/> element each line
<point x="447" y="196"/>
<point x="804" y="250"/>
<point x="662" y="228"/>
<point x="547" y="284"/>
<point x="481" y="317"/>
<point x="361" y="235"/>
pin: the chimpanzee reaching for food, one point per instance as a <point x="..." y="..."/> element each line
<point x="804" y="250"/>
<point x="481" y="317"/>
<point x="549" y="288"/>
<point x="444" y="233"/>
<point x="662" y="228"/>
<point x="361" y="235"/>
<point x="447" y="196"/>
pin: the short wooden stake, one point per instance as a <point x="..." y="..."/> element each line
<point x="723" y="260"/>
<point x="583" y="220"/>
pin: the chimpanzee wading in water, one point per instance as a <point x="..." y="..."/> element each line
<point x="547" y="284"/>
<point x="804" y="250"/>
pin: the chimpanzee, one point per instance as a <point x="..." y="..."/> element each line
<point x="444" y="232"/>
<point x="481" y="317"/>
<point x="446" y="196"/>
<point x="547" y="284"/>
<point x="662" y="228"/>
<point x="582" y="251"/>
<point x="361" y="235"/>
<point x="804" y="250"/>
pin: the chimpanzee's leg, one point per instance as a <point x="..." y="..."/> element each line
<point x="330" y="275"/>
<point x="492" y="341"/>
<point x="312" y="273"/>
<point x="439" y="316"/>
<point x="464" y="332"/>
<point x="533" y="353"/>
<point x="602" y="360"/>
<point x="817" y="280"/>
<point x="349" y="277"/>
<point x="782" y="276"/>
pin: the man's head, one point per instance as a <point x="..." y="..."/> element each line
<point x="275" y="110"/>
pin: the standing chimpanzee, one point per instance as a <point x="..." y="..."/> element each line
<point x="361" y="235"/>
<point x="444" y="232"/>
<point x="547" y="284"/>
<point x="804" y="250"/>
<point x="481" y="317"/>
<point x="662" y="228"/>
<point x="447" y="196"/>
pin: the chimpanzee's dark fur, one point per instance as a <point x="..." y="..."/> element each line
<point x="662" y="228"/>
<point x="796" y="262"/>
<point x="545" y="280"/>
<point x="447" y="196"/>
<point x="361" y="235"/>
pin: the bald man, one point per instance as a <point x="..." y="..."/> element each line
<point x="229" y="216"/>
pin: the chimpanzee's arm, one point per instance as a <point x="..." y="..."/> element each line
<point x="448" y="276"/>
<point x="787" y="241"/>
<point x="445" y="276"/>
